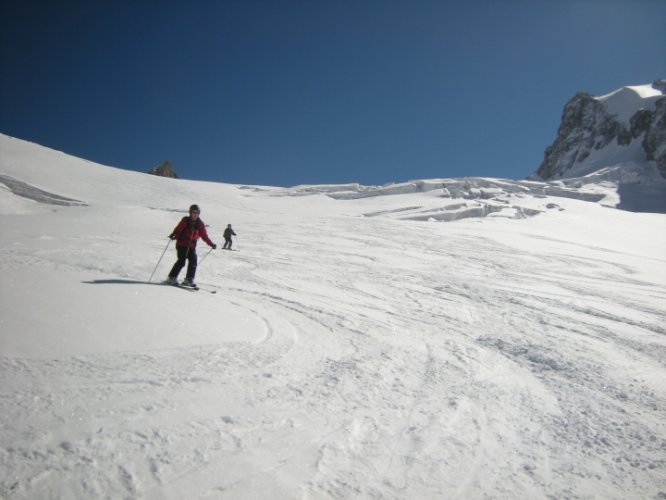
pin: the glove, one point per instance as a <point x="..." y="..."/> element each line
<point x="172" y="236"/>
<point x="213" y="246"/>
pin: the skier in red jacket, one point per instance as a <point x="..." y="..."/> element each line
<point x="186" y="234"/>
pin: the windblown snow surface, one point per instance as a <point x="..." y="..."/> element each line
<point x="461" y="338"/>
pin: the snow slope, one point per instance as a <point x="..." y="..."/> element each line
<point x="355" y="346"/>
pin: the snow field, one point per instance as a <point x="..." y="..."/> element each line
<point x="341" y="355"/>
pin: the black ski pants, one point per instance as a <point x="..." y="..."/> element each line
<point x="189" y="254"/>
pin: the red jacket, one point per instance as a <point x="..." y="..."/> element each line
<point x="187" y="233"/>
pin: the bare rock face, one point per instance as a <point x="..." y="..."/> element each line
<point x="585" y="125"/>
<point x="589" y="124"/>
<point x="164" y="170"/>
<point x="655" y="137"/>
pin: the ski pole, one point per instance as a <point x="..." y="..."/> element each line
<point x="158" y="262"/>
<point x="237" y="245"/>
<point x="204" y="257"/>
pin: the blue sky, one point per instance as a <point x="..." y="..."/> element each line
<point x="310" y="92"/>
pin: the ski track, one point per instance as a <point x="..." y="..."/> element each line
<point x="419" y="357"/>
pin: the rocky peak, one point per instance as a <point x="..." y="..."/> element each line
<point x="628" y="125"/>
<point x="164" y="170"/>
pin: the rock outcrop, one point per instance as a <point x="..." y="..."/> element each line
<point x="655" y="137"/>
<point x="164" y="170"/>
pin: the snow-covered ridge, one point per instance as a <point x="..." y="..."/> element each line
<point x="441" y="200"/>
<point x="625" y="102"/>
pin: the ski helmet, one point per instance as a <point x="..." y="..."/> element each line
<point x="194" y="208"/>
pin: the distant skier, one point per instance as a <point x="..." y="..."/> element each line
<point x="228" y="232"/>
<point x="186" y="234"/>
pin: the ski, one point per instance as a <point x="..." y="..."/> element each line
<point x="188" y="287"/>
<point x="180" y="285"/>
<point x="207" y="287"/>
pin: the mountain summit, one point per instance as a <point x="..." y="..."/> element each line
<point x="621" y="135"/>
